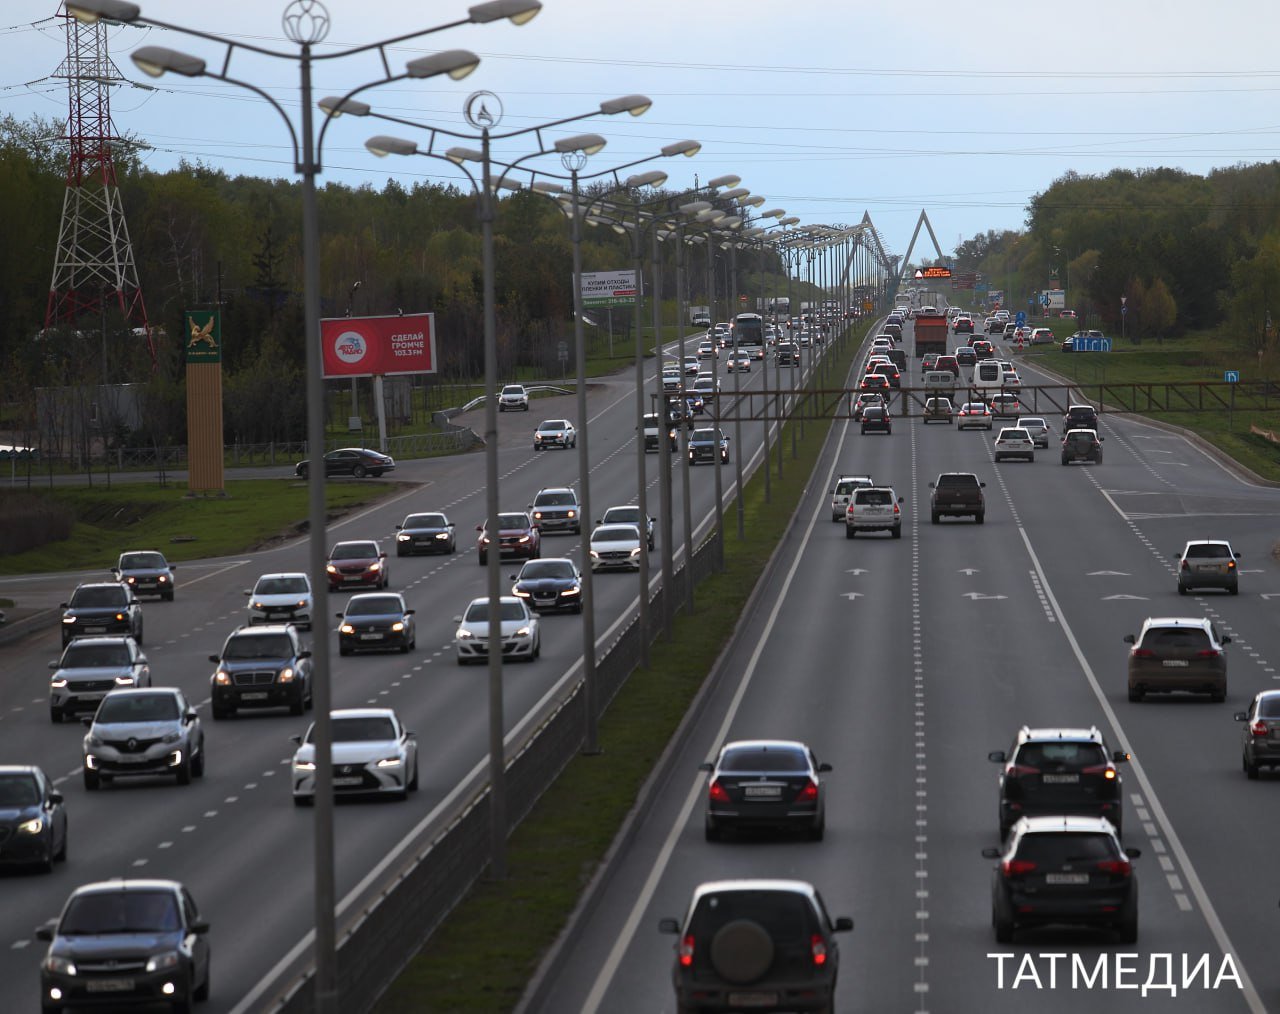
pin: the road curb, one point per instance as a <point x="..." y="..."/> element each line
<point x="15" y="631"/>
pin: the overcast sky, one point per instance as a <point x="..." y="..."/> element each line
<point x="826" y="109"/>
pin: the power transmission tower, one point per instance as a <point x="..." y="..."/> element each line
<point x="93" y="264"/>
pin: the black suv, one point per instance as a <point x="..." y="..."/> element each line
<point x="127" y="941"/>
<point x="101" y="608"/>
<point x="1082" y="445"/>
<point x="1080" y="417"/>
<point x="261" y="667"/>
<point x="760" y="944"/>
<point x="1056" y="870"/>
<point x="1059" y="771"/>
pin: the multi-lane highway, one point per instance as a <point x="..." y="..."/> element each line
<point x="903" y="663"/>
<point x="234" y="837"/>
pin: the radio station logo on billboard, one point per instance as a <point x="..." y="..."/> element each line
<point x="378" y="346"/>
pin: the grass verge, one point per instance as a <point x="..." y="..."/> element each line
<point x="474" y="962"/>
<point x="254" y="512"/>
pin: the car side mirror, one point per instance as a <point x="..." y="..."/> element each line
<point x="296" y="739"/>
<point x="63" y="605"/>
<point x="55" y="797"/>
<point x="824" y="767"/>
<point x="45" y="932"/>
<point x="664" y="926"/>
<point x="397" y="528"/>
<point x="1121" y="757"/>
<point x="1226" y="639"/>
<point x="53" y="665"/>
<point x="190" y="716"/>
<point x="983" y="485"/>
<point x="199" y="926"/>
<point x="248" y="591"/>
<point x="172" y="566"/>
<point x="479" y="528"/>
<point x="457" y="619"/>
<point x="142" y="660"/>
<point x="1100" y="439"/>
<point x="115" y="571"/>
<point x="996" y="757"/>
<point x="215" y="658"/>
<point x="843" y="924"/>
<point x="1130" y="639"/>
<point x="932" y="486"/>
<point x="990" y="853"/>
<point x="1133" y="853"/>
<point x="528" y="506"/>
<point x="339" y="615"/>
<point x="1241" y="716"/>
<point x="1237" y="556"/>
<point x="706" y="766"/>
<point x="901" y="500"/>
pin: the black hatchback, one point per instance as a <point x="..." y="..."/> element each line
<point x="765" y="783"/>
<point x="1059" y="772"/>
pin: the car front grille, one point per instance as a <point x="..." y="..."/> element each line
<point x="91" y="686"/>
<point x="254" y="678"/>
<point x="112" y="966"/>
<point x="131" y="745"/>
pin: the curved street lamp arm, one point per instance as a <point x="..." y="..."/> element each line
<point x="293" y="134"/>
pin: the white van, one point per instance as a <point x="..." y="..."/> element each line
<point x="940" y="383"/>
<point x="987" y="378"/>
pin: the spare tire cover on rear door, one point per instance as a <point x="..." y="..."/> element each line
<point x="741" y="951"/>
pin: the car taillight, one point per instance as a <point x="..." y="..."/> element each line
<point x="1021" y="770"/>
<point x="1106" y="770"/>
<point x="1259" y="728"/>
<point x="1185" y="565"/>
<point x="897" y="509"/>
<point x="1208" y="653"/>
<point x="809" y="793"/>
<point x="686" y="950"/>
<point x="716" y="791"/>
<point x="1142" y="653"/>
<point x="818" y="947"/>
<point x="1016" y="867"/>
<point x="1120" y="866"/>
<point x="1231" y="564"/>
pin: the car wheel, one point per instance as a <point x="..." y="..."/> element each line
<point x="980" y="518"/>
<point x="201" y="993"/>
<point x="55" y="714"/>
<point x="296" y="707"/>
<point x="897" y="531"/>
<point x="709" y="830"/>
<point x="92" y="779"/>
<point x="1249" y="769"/>
<point x="343" y="649"/>
<point x="197" y="763"/>
<point x="483" y="559"/>
<point x="1002" y="918"/>
<point x="819" y="829"/>
<point x="1127" y="924"/>
<point x="302" y="471"/>
<point x="1218" y="696"/>
<point x="400" y="552"/>
<point x="138" y="636"/>
<point x="1064" y="459"/>
<point x="184" y="771"/>
<point x="167" y="596"/>
<point x="413" y="776"/>
<point x="850" y="531"/>
<point x="1136" y="694"/>
<point x="1234" y="589"/>
<point x="303" y="800"/>
<point x="1182" y="589"/>
<point x="359" y="471"/>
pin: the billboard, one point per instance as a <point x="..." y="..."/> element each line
<point x="378" y="346"/>
<point x="1053" y="299"/>
<point x="608" y="288"/>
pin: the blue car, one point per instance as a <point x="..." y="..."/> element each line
<point x="549" y="585"/>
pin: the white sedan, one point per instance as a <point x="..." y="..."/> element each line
<point x="739" y="361"/>
<point x="616" y="547"/>
<point x="520" y="635"/>
<point x="373" y="754"/>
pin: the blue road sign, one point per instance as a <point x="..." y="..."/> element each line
<point x="1231" y="376"/>
<point x="1021" y="318"/>
<point x="1124" y="311"/>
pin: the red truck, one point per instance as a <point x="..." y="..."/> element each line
<point x="931" y="334"/>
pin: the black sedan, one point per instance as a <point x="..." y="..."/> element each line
<point x="765" y="783"/>
<point x="376" y="621"/>
<point x="33" y="824"/>
<point x="425" y="533"/>
<point x="355" y="461"/>
<point x="549" y="585"/>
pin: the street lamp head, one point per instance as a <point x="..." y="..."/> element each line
<point x="734" y="194"/>
<point x="155" y="60"/>
<point x="710" y="215"/>
<point x="792" y="220"/>
<point x="653" y="178"/>
<point x="694" y="207"/>
<point x="457" y="63"/>
<point x="90" y="12"/>
<point x="383" y="145"/>
<point x="685" y="148"/>
<point x="753" y="201"/>
<point x="772" y="213"/>
<point x="335" y="107"/>
<point x="460" y="155"/>
<point x="546" y="187"/>
<point x="753" y="233"/>
<point x="588" y="144"/>
<point x="518" y="12"/>
<point x="636" y="105"/>
<point x="730" y="222"/>
<point x="725" y="181"/>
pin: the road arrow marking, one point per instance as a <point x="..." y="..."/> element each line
<point x="1107" y="573"/>
<point x="1269" y="595"/>
<point x="852" y="595"/>
<point x="1109" y="598"/>
<point x="974" y="596"/>
<point x="856" y="571"/>
<point x="969" y="571"/>
<point x="1256" y="571"/>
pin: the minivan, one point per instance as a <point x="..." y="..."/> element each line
<point x="940" y="382"/>
<point x="987" y="376"/>
<point x="899" y="357"/>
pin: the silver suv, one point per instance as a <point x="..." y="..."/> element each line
<point x="152" y="731"/>
<point x="874" y="509"/>
<point x="842" y="493"/>
<point x="89" y="669"/>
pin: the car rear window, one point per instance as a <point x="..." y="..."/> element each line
<point x="1060" y="756"/>
<point x="757" y="759"/>
<point x="787" y="915"/>
<point x="873" y="497"/>
<point x="1269" y="707"/>
<point x="1175" y="639"/>
<point x="1061" y="847"/>
<point x="1209" y="552"/>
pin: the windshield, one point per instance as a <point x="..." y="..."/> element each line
<point x="121" y="912"/>
<point x="101" y="595"/>
<point x="142" y="561"/>
<point x="363" y="728"/>
<point x="555" y="500"/>
<point x="134" y="707"/>
<point x="251" y="646"/>
<point x="539" y="569"/>
<point x="478" y="612"/>
<point x="614" y="515"/>
<point x="551" y="425"/>
<point x="704" y="436"/>
<point x="425" y="521"/>
<point x="281" y="586"/>
<point x="18" y="790"/>
<point x="513" y="389"/>
<point x="86" y="656"/>
<point x="375" y="605"/>
<point x="354" y="551"/>
<point x="616" y="533"/>
<point x="508" y="521"/>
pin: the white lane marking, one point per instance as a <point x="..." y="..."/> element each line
<point x="656" y="873"/>
<point x="1149" y="794"/>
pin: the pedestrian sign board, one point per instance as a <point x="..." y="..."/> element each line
<point x="1231" y="376"/>
<point x="1021" y="318"/>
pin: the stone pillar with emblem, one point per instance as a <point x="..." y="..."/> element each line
<point x="202" y="343"/>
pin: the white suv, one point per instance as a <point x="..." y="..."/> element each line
<point x="874" y="509"/>
<point x="1015" y="442"/>
<point x="842" y="493"/>
<point x="513" y="397"/>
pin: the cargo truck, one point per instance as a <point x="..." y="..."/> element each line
<point x="931" y="334"/>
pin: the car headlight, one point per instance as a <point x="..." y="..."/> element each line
<point x="484" y="540"/>
<point x="375" y="565"/>
<point x="636" y="551"/>
<point x="537" y="515"/>
<point x="58" y="682"/>
<point x="572" y="591"/>
<point x="573" y="514"/>
<point x="331" y="569"/>
<point x="465" y="635"/>
<point x="222" y="678"/>
<point x="124" y="681"/>
<point x="390" y="762"/>
<point x="397" y="626"/>
<point x="286" y="674"/>
<point x="520" y="593"/>
<point x="402" y="537"/>
<point x="524" y="632"/>
<point x="68" y="619"/>
<point x="524" y="538"/>
<point x="131" y="579"/>
<point x="346" y="628"/>
<point x="120" y="617"/>
<point x="162" y="578"/>
<point x="169" y="959"/>
<point x="595" y="555"/>
<point x="442" y="535"/>
<point x="59" y="966"/>
<point x="257" y="605"/>
<point x="304" y="765"/>
<point x="33" y="826"/>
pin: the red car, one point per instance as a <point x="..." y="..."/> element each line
<point x="357" y="564"/>
<point x="517" y="537"/>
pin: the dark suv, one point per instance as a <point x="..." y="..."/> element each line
<point x="765" y="945"/>
<point x="128" y="942"/>
<point x="556" y="509"/>
<point x="1082" y="445"/>
<point x="1081" y="417"/>
<point x="101" y="608"/>
<point x="1057" y="870"/>
<point x="261" y="667"/>
<point x="1059" y="771"/>
<point x="957" y="494"/>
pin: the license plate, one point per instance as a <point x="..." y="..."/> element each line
<point x="753" y="999"/>
<point x="108" y="986"/>
<point x="347" y="781"/>
<point x="256" y="695"/>
<point x="129" y="759"/>
<point x="95" y="630"/>
<point x="371" y="637"/>
<point x="1066" y="878"/>
<point x="957" y="506"/>
<point x="351" y="577"/>
<point x="757" y="791"/>
<point x="278" y="615"/>
<point x="1060" y="779"/>
<point x="1175" y="663"/>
